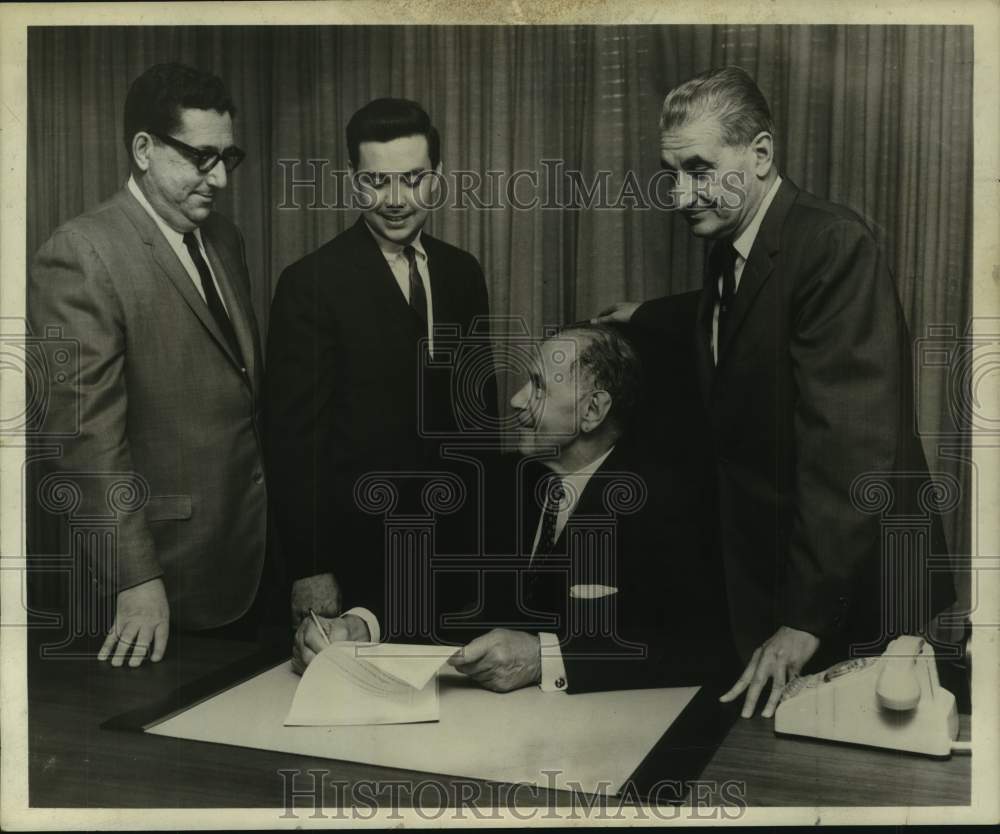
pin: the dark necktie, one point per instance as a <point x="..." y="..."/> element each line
<point x="555" y="494"/>
<point x="418" y="298"/>
<point x="723" y="262"/>
<point x="212" y="297"/>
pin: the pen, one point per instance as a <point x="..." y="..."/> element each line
<point x="322" y="631"/>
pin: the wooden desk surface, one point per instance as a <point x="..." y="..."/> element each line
<point x="74" y="763"/>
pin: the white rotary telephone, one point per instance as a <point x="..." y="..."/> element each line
<point x="893" y="701"/>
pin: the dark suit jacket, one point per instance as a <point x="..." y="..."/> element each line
<point x="158" y="395"/>
<point x="637" y="527"/>
<point x="813" y="389"/>
<point x="348" y="393"/>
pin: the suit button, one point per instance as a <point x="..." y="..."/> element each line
<point x="560" y="683"/>
<point x="844" y="602"/>
<point x="258" y="476"/>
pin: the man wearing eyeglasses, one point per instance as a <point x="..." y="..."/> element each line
<point x="350" y="385"/>
<point x="154" y="287"/>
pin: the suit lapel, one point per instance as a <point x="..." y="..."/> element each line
<point x="167" y="260"/>
<point x="237" y="306"/>
<point x="375" y="271"/>
<point x="703" y="337"/>
<point x="759" y="264"/>
<point x="440" y="295"/>
<point x="591" y="502"/>
<point x="756" y="271"/>
<point x="530" y="474"/>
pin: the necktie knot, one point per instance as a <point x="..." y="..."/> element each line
<point x="410" y="253"/>
<point x="722" y="264"/>
<point x="722" y="259"/>
<point x="556" y="493"/>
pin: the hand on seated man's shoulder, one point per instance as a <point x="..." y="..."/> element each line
<point x="310" y="640"/>
<point x="618" y="313"/>
<point x="319" y="593"/>
<point x="501" y="660"/>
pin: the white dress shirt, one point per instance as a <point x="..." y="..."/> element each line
<point x="553" y="668"/>
<point x="176" y="241"/>
<point x="400" y="266"/>
<point x="743" y="244"/>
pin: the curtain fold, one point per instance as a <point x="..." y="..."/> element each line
<point x="876" y="117"/>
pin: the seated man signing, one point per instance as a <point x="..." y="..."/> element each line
<point x="609" y="586"/>
<point x="611" y="548"/>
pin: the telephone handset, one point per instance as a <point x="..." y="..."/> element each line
<point x="898" y="687"/>
<point x="893" y="701"/>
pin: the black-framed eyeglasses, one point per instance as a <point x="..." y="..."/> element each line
<point x="204" y="159"/>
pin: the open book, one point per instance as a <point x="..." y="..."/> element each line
<point x="369" y="683"/>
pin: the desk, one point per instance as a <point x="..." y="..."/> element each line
<point x="73" y="763"/>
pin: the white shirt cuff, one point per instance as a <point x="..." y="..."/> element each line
<point x="553" y="670"/>
<point x="374" y="632"/>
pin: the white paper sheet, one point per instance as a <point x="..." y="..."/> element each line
<point x="590" y="743"/>
<point x="369" y="683"/>
<point x="414" y="664"/>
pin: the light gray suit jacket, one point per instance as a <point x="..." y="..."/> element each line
<point x="158" y="394"/>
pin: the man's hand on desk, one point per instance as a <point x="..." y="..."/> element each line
<point x="142" y="619"/>
<point x="310" y="641"/>
<point x="501" y="660"/>
<point x="779" y="660"/>
<point x="319" y="593"/>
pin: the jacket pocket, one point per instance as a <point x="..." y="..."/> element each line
<point x="168" y="508"/>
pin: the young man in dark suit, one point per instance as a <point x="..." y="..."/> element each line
<point x="349" y="387"/>
<point x="806" y="376"/>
